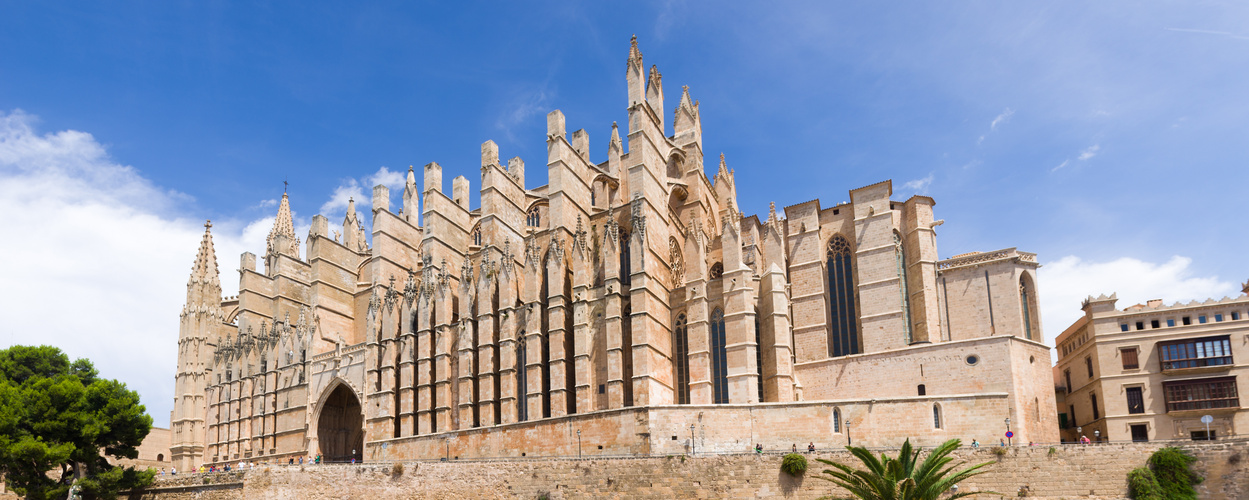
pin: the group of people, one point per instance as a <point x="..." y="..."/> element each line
<point x="240" y="466"/>
<point x="794" y="448"/>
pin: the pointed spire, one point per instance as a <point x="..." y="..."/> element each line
<point x="615" y="143"/>
<point x="283" y="227"/>
<point x="411" y="198"/>
<point x="205" y="267"/>
<point x="353" y="229"/>
<point x="723" y="172"/>
<point x="773" y="220"/>
<point x="634" y="53"/>
<point x="685" y="98"/>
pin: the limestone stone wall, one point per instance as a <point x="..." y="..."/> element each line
<point x="1062" y="472"/>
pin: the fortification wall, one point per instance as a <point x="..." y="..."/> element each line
<point x="1069" y="471"/>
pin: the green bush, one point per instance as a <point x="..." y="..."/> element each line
<point x="1143" y="485"/>
<point x="1170" y="467"/>
<point x="794" y="464"/>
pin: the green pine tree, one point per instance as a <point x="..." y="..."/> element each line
<point x="58" y="417"/>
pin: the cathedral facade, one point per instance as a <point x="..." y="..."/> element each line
<point x="625" y="307"/>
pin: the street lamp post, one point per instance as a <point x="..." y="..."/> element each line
<point x="849" y="441"/>
<point x="691" y="439"/>
<point x="578" y="443"/>
<point x="1008" y="432"/>
<point x="1097" y="436"/>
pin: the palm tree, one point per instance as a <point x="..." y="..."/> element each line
<point x="903" y="478"/>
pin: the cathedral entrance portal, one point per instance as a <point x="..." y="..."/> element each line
<point x="340" y="427"/>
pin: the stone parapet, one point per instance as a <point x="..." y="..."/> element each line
<point x="1047" y="473"/>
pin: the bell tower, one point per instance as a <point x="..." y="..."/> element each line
<point x="199" y="320"/>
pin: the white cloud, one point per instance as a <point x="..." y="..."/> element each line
<point x="392" y="180"/>
<point x="1002" y="118"/>
<point x="1089" y="152"/>
<point x="1064" y="283"/>
<point x="919" y="186"/>
<point x="96" y="259"/>
<point x="347" y="190"/>
<point x="1060" y="165"/>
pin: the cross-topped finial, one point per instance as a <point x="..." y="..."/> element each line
<point x="208" y="224"/>
<point x="285" y="185"/>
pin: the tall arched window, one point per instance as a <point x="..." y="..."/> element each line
<point x="534" y="219"/>
<point x="522" y="406"/>
<point x="936" y="416"/>
<point x="719" y="359"/>
<point x="477" y="237"/>
<point x="900" y="253"/>
<point x="1027" y="304"/>
<point x="759" y="355"/>
<point x="836" y="420"/>
<point x="681" y="359"/>
<point x="626" y="271"/>
<point x="843" y="335"/>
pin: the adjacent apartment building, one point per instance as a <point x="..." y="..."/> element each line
<point x="1153" y="371"/>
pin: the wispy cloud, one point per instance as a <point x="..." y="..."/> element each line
<point x="1089" y="152"/>
<point x="919" y="186"/>
<point x="670" y="15"/>
<point x="1002" y="118"/>
<point x="998" y="120"/>
<point x="1209" y="32"/>
<point x="522" y="107"/>
<point x="1060" y="165"/>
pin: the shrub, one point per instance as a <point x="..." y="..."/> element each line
<point x="999" y="451"/>
<point x="1143" y="485"/>
<point x="397" y="470"/>
<point x="1170" y="466"/>
<point x="794" y="464"/>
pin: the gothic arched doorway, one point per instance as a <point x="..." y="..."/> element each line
<point x="340" y="427"/>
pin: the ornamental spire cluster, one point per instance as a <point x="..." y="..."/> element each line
<point x="283" y="227"/>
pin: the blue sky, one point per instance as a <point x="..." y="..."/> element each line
<point x="1108" y="137"/>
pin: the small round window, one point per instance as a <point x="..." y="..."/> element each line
<point x="973" y="359"/>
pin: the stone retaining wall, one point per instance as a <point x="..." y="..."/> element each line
<point x="1069" y="471"/>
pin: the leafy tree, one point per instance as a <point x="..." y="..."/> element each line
<point x="1143" y="485"/>
<point x="1175" y="480"/>
<point x="905" y="477"/>
<point x="58" y="416"/>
